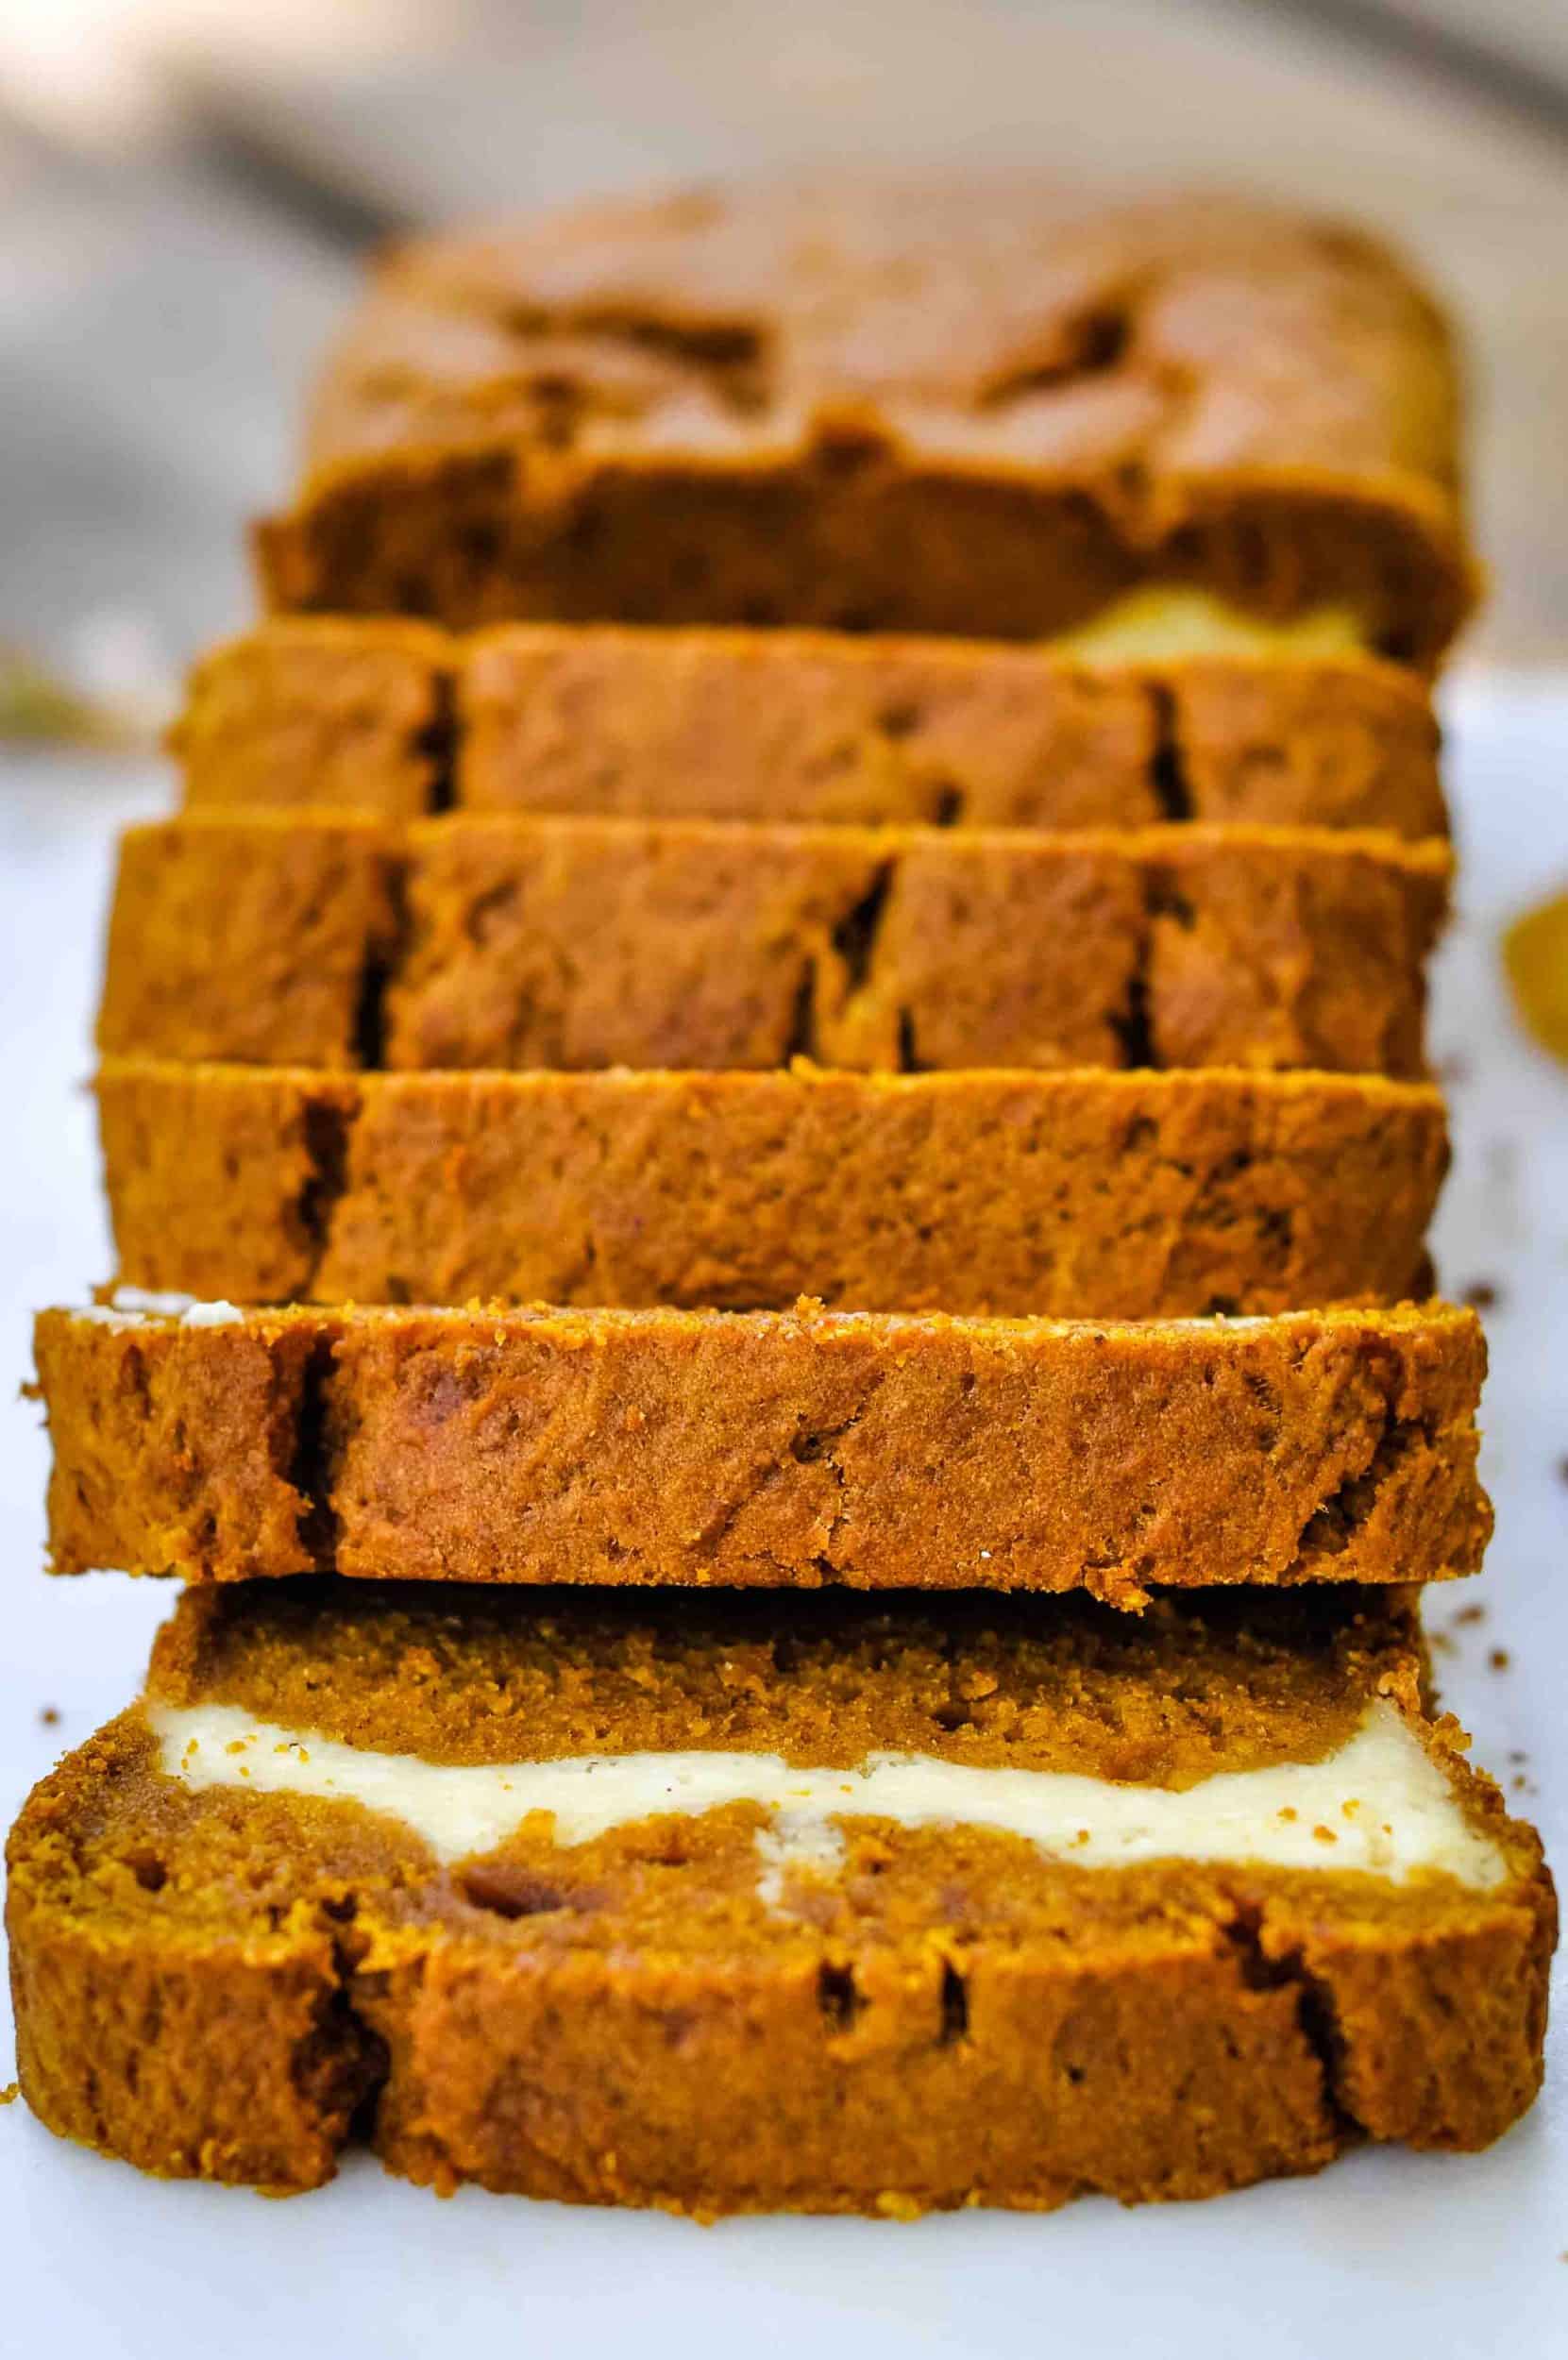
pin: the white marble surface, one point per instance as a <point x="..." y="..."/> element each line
<point x="1385" y="2255"/>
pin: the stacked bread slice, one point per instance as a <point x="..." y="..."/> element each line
<point x="794" y="964"/>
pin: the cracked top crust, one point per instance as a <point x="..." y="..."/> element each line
<point x="1165" y="358"/>
<point x="1001" y="323"/>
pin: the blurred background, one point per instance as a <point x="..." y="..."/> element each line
<point x="189" y="188"/>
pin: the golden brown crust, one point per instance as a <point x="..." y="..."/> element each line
<point x="581" y="944"/>
<point x="984" y="407"/>
<point x="768" y="1449"/>
<point x="952" y="2018"/>
<point x="1082" y="1195"/>
<point x="807" y="727"/>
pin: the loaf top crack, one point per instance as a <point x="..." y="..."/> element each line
<point x="1223" y="328"/>
<point x="882" y="403"/>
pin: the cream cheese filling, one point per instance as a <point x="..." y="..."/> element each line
<point x="128" y="1307"/>
<point x="1161" y="626"/>
<point x="1378" y="1803"/>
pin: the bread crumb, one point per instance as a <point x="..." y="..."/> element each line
<point x="50" y="1717"/>
<point x="1499" y="1658"/>
<point x="9" y="2095"/>
<point x="1482" y="1294"/>
<point x="893" y="2204"/>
